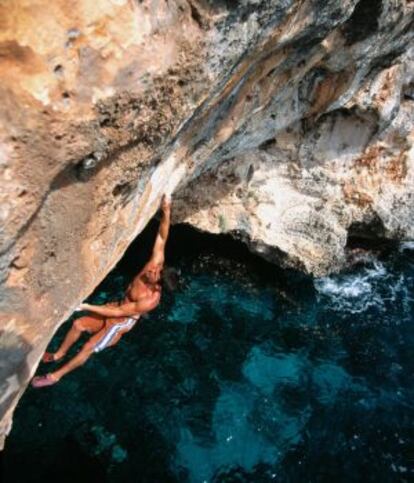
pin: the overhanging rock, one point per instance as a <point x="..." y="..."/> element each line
<point x="283" y="122"/>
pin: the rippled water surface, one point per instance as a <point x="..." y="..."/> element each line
<point x="245" y="373"/>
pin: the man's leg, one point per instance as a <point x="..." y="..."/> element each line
<point x="89" y="323"/>
<point x="80" y="359"/>
<point x="85" y="353"/>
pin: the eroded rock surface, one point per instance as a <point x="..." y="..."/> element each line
<point x="286" y="123"/>
<point x="297" y="198"/>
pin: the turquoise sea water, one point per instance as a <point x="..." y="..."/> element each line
<point x="246" y="373"/>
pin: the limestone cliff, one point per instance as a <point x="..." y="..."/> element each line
<point x="286" y="123"/>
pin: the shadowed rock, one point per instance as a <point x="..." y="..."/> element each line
<point x="283" y="123"/>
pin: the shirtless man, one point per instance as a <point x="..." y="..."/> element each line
<point x="108" y="323"/>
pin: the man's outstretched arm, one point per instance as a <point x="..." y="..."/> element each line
<point x="124" y="310"/>
<point x="158" y="252"/>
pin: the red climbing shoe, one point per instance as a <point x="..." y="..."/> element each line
<point x="48" y="357"/>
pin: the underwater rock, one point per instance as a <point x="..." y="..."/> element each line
<point x="288" y="124"/>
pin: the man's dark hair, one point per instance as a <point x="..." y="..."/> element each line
<point x="170" y="278"/>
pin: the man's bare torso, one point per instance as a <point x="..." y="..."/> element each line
<point x="141" y="288"/>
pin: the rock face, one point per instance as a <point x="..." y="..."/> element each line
<point x="296" y="198"/>
<point x="286" y="123"/>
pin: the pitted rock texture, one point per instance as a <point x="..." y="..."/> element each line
<point x="286" y="123"/>
<point x="298" y="197"/>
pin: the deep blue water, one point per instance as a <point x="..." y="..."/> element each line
<point x="245" y="373"/>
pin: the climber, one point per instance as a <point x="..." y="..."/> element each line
<point x="108" y="323"/>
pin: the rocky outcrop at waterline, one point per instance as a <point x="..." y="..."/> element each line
<point x="299" y="196"/>
<point x="286" y="123"/>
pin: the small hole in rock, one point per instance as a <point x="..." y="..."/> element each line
<point x="268" y="144"/>
<point x="121" y="189"/>
<point x="58" y="70"/>
<point x="363" y="22"/>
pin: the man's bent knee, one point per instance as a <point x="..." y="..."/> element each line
<point x="79" y="325"/>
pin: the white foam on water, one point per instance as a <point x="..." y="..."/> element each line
<point x="358" y="291"/>
<point x="407" y="245"/>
